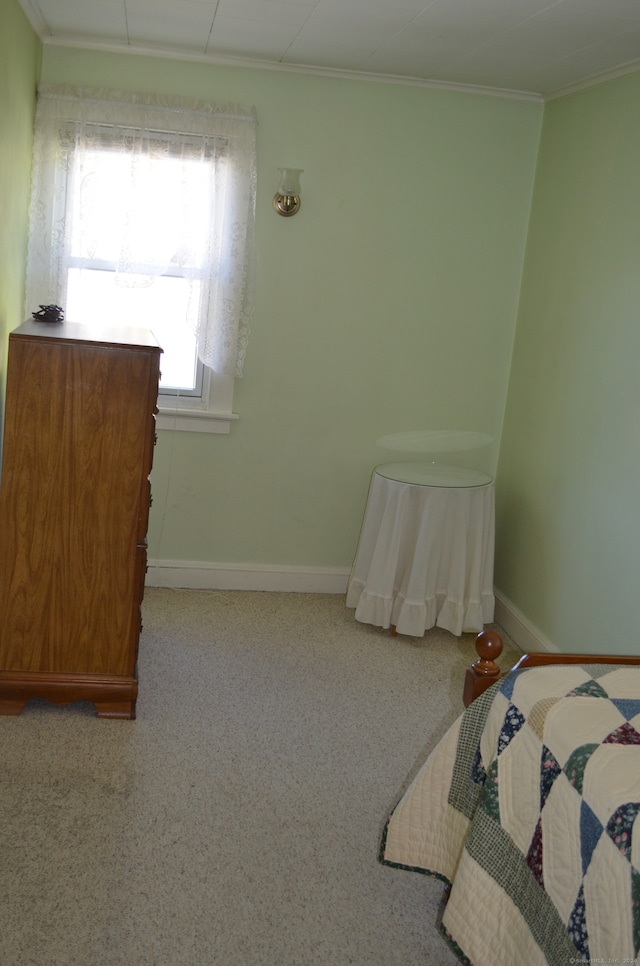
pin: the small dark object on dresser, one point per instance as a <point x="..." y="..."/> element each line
<point x="49" y="313"/>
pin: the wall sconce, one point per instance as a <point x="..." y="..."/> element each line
<point x="286" y="200"/>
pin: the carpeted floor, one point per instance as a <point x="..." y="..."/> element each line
<point x="237" y="821"/>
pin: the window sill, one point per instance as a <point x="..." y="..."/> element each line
<point x="194" y="420"/>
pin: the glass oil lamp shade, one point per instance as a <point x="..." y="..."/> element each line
<point x="289" y="186"/>
<point x="286" y="201"/>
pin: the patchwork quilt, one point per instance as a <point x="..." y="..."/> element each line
<point x="528" y="808"/>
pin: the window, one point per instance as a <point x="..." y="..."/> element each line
<point x="142" y="215"/>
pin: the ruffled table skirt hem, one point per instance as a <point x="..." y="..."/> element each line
<point x="413" y="618"/>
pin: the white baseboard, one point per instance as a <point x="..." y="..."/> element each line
<point x="525" y="634"/>
<point x="199" y="575"/>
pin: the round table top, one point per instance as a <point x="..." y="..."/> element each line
<point x="433" y="474"/>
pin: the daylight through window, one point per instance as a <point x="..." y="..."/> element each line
<point x="143" y="215"/>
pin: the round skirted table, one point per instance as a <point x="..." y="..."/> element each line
<point x="425" y="553"/>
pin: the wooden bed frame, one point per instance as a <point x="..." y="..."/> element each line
<point x="484" y="672"/>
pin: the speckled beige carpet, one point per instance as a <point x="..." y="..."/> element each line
<point x="237" y="821"/>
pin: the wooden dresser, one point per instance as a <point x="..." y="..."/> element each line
<point x="74" y="505"/>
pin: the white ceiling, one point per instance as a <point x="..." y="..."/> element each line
<point x="535" y="46"/>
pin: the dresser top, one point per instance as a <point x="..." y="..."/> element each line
<point x="77" y="332"/>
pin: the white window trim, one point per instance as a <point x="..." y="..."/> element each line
<point x="194" y="420"/>
<point x="209" y="414"/>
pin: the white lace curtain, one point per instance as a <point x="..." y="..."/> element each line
<point x="201" y="227"/>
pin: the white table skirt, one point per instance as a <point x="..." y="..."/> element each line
<point x="425" y="557"/>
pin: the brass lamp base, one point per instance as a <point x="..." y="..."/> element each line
<point x="286" y="205"/>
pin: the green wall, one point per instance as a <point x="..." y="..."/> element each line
<point x="387" y="304"/>
<point x="568" y="537"/>
<point x="19" y="69"/>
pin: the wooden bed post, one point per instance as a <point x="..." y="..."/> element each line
<point x="482" y="673"/>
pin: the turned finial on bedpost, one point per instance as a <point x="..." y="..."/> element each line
<point x="484" y="671"/>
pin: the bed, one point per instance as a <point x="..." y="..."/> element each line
<point x="526" y="810"/>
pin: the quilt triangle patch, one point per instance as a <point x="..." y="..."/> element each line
<point x="628" y="707"/>
<point x="549" y="771"/>
<point x="478" y="774"/>
<point x="577" y="925"/>
<point x="590" y="689"/>
<point x="534" y="855"/>
<point x="576" y="764"/>
<point x="620" y="826"/>
<point x="508" y="683"/>
<point x="626" y="734"/>
<point x="537" y="717"/>
<point x="513" y="721"/>
<point x="591" y="828"/>
<point x="489" y="799"/>
<point x="635" y="909"/>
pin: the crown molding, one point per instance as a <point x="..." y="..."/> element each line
<point x="629" y="68"/>
<point x="248" y="64"/>
<point x="33" y="14"/>
<point x="32" y="11"/>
